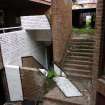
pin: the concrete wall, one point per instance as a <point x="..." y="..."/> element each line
<point x="15" y="45"/>
<point x="18" y="44"/>
<point x="40" y="35"/>
<point x="37" y="26"/>
<point x="61" y="26"/>
<point x="37" y="22"/>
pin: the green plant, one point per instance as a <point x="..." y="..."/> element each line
<point x="49" y="83"/>
<point x="51" y="74"/>
<point x="79" y="31"/>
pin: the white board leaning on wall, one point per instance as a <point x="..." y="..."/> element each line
<point x="14" y="82"/>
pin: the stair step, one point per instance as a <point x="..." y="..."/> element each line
<point x="87" y="54"/>
<point x="79" y="71"/>
<point x="82" y="50"/>
<point x="77" y="62"/>
<point x="55" y="97"/>
<point x="83" y="40"/>
<point x="76" y="75"/>
<point x="82" y="43"/>
<point x="82" y="58"/>
<point x="82" y="46"/>
<point x="78" y="66"/>
<point x="79" y="59"/>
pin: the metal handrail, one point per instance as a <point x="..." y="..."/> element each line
<point x="10" y="28"/>
<point x="42" y="1"/>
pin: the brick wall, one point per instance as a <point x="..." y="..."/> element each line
<point x="61" y="26"/>
<point x="99" y="27"/>
<point x="33" y="63"/>
<point x="32" y="84"/>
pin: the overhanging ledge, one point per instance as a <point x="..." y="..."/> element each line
<point x="47" y="2"/>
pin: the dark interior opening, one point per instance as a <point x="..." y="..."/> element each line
<point x="50" y="56"/>
<point x="100" y="99"/>
<point x="102" y="47"/>
<point x="2" y="88"/>
<point x="79" y="17"/>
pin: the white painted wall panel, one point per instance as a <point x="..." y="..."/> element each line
<point x="17" y="44"/>
<point x="14" y="82"/>
<point x="39" y="22"/>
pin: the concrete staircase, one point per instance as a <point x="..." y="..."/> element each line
<point x="56" y="97"/>
<point x="79" y="58"/>
<point x="77" y="65"/>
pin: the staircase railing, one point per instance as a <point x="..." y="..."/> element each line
<point x="47" y="2"/>
<point x="9" y="29"/>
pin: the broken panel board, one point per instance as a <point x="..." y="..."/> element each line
<point x="67" y="87"/>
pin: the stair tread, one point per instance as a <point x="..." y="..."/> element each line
<point x="83" y="40"/>
<point x="78" y="58"/>
<point x="57" y="96"/>
<point x="71" y="60"/>
<point x="80" y="75"/>
<point x="78" y="66"/>
<point x="82" y="52"/>
<point x="69" y="69"/>
<point x="85" y="57"/>
<point x="78" y="71"/>
<point x="75" y="49"/>
<point x="82" y="45"/>
<point x="85" y="62"/>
